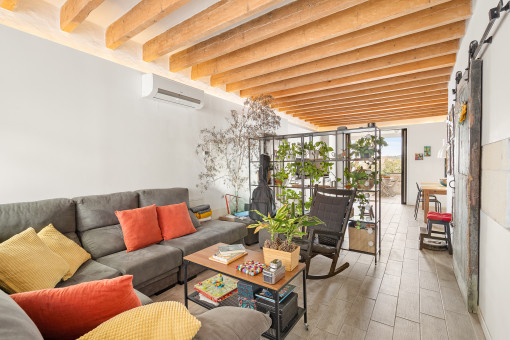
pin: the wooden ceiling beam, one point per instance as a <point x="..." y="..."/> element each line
<point x="398" y="45"/>
<point x="383" y="119"/>
<point x="377" y="114"/>
<point x="349" y="111"/>
<point x="280" y="20"/>
<point x="419" y="66"/>
<point x="9" y="5"/>
<point x="355" y="102"/>
<point x="410" y="81"/>
<point x="74" y="12"/>
<point x="138" y="18"/>
<point x="355" y="18"/>
<point x="377" y="118"/>
<point x="376" y="97"/>
<point x="422" y="53"/>
<point x="211" y="20"/>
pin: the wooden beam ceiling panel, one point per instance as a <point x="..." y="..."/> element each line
<point x="342" y="112"/>
<point x="264" y="71"/>
<point x="9" y="5"/>
<point x="374" y="117"/>
<point x="352" y="19"/>
<point x="398" y="117"/>
<point x="211" y="20"/>
<point x="74" y="12"/>
<point x="369" y="96"/>
<point x="368" y="107"/>
<point x="357" y="102"/>
<point x="419" y="66"/>
<point x="422" y="53"/>
<point x="280" y="20"/>
<point x="410" y="81"/>
<point x="378" y="114"/>
<point x="138" y="18"/>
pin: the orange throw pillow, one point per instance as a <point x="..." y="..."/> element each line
<point x="70" y="312"/>
<point x="174" y="221"/>
<point x="140" y="227"/>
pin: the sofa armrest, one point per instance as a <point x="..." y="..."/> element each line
<point x="232" y="323"/>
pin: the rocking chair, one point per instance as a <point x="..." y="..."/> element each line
<point x="333" y="207"/>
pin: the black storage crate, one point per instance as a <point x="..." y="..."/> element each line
<point x="288" y="310"/>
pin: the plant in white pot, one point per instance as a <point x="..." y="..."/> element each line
<point x="285" y="223"/>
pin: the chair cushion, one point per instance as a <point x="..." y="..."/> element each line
<point x="16" y="217"/>
<point x="168" y="320"/>
<point x="90" y="271"/>
<point x="26" y="264"/>
<point x="232" y="323"/>
<point x="174" y="221"/>
<point x="72" y="253"/>
<point x="15" y="323"/>
<point x="67" y="313"/>
<point x="208" y="234"/>
<point x="144" y="264"/>
<point x="140" y="227"/>
<point x="439" y="216"/>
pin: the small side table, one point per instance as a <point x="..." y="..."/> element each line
<point x="251" y="238"/>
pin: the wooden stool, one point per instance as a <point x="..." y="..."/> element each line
<point x="441" y="219"/>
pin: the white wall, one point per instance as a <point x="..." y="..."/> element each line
<point x="494" y="295"/>
<point x="74" y="124"/>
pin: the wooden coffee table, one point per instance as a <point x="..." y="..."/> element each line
<point x="202" y="258"/>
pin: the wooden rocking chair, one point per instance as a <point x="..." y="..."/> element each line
<point x="333" y="207"/>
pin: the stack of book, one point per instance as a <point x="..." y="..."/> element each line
<point x="228" y="254"/>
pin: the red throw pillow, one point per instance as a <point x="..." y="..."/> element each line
<point x="174" y="221"/>
<point x="70" y="312"/>
<point x="140" y="227"/>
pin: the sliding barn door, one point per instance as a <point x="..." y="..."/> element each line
<point x="467" y="183"/>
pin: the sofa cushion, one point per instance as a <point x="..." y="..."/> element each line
<point x="174" y="221"/>
<point x="162" y="197"/>
<point x="144" y="264"/>
<point x="14" y="322"/>
<point x="26" y="264"/>
<point x="72" y="253"/>
<point x="67" y="313"/>
<point x="168" y="320"/>
<point x="90" y="271"/>
<point x="103" y="241"/>
<point x="16" y="217"/>
<point x="208" y="234"/>
<point x="99" y="210"/>
<point x="232" y="323"/>
<point x="144" y="299"/>
<point x="140" y="227"/>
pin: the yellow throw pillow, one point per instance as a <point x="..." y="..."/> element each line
<point x="72" y="253"/>
<point x="167" y="320"/>
<point x="27" y="264"/>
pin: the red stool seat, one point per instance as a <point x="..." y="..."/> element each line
<point x="435" y="216"/>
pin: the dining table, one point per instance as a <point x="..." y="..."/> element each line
<point x="427" y="190"/>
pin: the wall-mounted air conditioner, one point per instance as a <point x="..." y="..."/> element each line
<point x="169" y="91"/>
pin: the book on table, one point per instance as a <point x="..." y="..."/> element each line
<point x="266" y="294"/>
<point x="230" y="249"/>
<point x="226" y="259"/>
<point x="217" y="288"/>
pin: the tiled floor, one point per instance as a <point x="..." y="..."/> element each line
<point x="409" y="294"/>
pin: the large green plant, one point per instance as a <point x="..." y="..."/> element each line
<point x="286" y="222"/>
<point x="366" y="147"/>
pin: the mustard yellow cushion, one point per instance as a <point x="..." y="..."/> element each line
<point x="27" y="264"/>
<point x="167" y="320"/>
<point x="72" y="253"/>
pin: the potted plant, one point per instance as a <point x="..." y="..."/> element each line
<point x="289" y="224"/>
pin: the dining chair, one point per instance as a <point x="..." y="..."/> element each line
<point x="421" y="199"/>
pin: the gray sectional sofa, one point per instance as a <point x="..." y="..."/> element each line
<point x="90" y="221"/>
